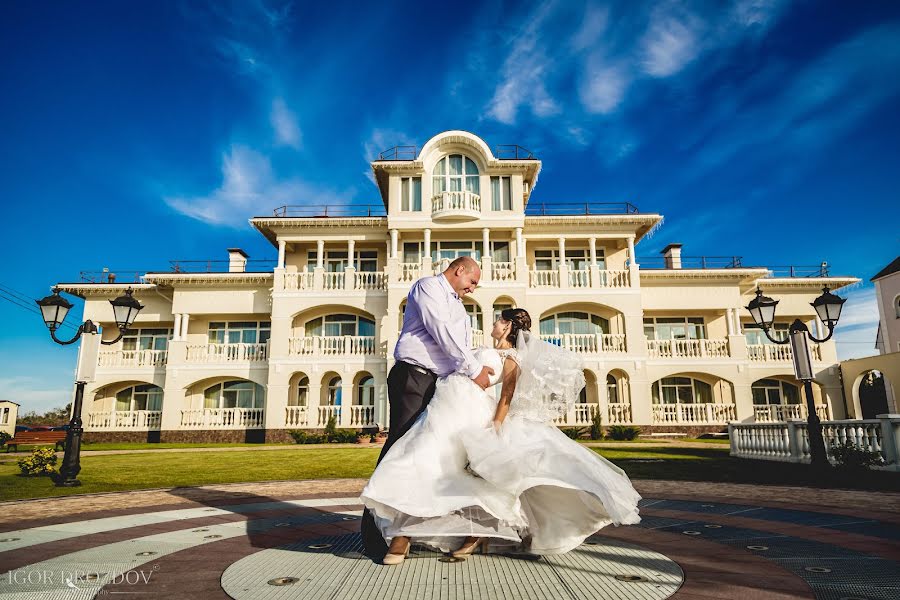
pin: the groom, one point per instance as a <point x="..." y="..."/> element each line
<point x="435" y="342"/>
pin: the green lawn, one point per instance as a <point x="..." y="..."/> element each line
<point x="121" y="472"/>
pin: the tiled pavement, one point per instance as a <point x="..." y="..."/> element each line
<point x="697" y="540"/>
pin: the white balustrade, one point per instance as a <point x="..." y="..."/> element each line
<point x="223" y="418"/>
<point x="450" y="204"/>
<point x="333" y="280"/>
<point x="584" y="412"/>
<point x="370" y="280"/>
<point x="132" y="358"/>
<point x="618" y="413"/>
<point x="579" y="278"/>
<point x="773" y="413"/>
<point x="409" y="272"/>
<point x="540" y="278"/>
<point x="326" y="412"/>
<point x="124" y="419"/>
<point x="296" y="416"/>
<point x="679" y="413"/>
<point x="778" y="352"/>
<point x="589" y="343"/>
<point x="298" y="281"/>
<point x="614" y="278"/>
<point x="503" y="271"/>
<point x="714" y="348"/>
<point x="224" y="353"/>
<point x="789" y="441"/>
<point x="330" y="345"/>
<point x="362" y="416"/>
<point x="477" y="338"/>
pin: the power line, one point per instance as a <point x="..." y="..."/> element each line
<point x="17" y="301"/>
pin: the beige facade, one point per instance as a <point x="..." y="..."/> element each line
<point x="666" y="347"/>
<point x="887" y="294"/>
<point x="9" y="413"/>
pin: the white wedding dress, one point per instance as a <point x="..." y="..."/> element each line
<point x="530" y="488"/>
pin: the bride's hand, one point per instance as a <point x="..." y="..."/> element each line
<point x="496" y="425"/>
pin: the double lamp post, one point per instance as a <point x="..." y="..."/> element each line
<point x="54" y="309"/>
<point x="828" y="307"/>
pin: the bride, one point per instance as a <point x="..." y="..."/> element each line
<point x="474" y="470"/>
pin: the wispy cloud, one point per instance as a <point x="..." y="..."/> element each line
<point x="284" y="122"/>
<point x="671" y="41"/>
<point x="250" y="188"/>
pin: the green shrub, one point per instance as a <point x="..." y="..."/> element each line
<point x="572" y="432"/>
<point x="344" y="436"/>
<point x="623" y="432"/>
<point x="41" y="462"/>
<point x="4" y="437"/>
<point x="596" y="422"/>
<point x="304" y="437"/>
<point x="848" y="455"/>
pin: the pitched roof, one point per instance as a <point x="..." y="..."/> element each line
<point x="894" y="267"/>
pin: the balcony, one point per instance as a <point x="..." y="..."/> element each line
<point x="115" y="420"/>
<point x="713" y="348"/>
<point x="223" y="418"/>
<point x="333" y="280"/>
<point x="579" y="278"/>
<point x="456" y="206"/>
<point x="227" y="353"/>
<point x="589" y="343"/>
<point x="325" y="345"/>
<point x="774" y="413"/>
<point x="770" y="353"/>
<point x="693" y="414"/>
<point x="132" y="358"/>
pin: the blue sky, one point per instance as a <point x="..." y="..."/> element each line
<point x="132" y="136"/>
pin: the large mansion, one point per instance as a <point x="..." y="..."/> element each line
<point x="237" y="352"/>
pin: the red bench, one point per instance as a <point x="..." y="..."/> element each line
<point x="37" y="438"/>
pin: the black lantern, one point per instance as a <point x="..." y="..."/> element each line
<point x="762" y="309"/>
<point x="54" y="309"/>
<point x="828" y="306"/>
<point x="126" y="309"/>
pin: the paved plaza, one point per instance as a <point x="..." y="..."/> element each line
<point x="299" y="540"/>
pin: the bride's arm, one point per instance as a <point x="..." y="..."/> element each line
<point x="508" y="379"/>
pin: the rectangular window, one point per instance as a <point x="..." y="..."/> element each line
<point x="367" y="260"/>
<point x="411" y="193"/>
<point x="146" y="339"/>
<point x="4" y="416"/>
<point x="411" y="252"/>
<point x="239" y="332"/>
<point x="545" y="260"/>
<point x="500" y="251"/>
<point x="675" y="328"/>
<point x="501" y="193"/>
<point x="453" y="250"/>
<point x="755" y="335"/>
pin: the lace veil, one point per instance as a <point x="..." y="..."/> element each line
<point x="550" y="380"/>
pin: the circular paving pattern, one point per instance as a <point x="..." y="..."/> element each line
<point x="308" y="548"/>
<point x="334" y="567"/>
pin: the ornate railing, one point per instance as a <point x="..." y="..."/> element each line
<point x="298" y="281"/>
<point x="503" y="271"/>
<point x="328" y="345"/>
<point x="713" y="348"/>
<point x="124" y="419"/>
<point x="789" y="441"/>
<point x="326" y="412"/>
<point x="679" y="413"/>
<point x="132" y="358"/>
<point x="774" y="413"/>
<point x="613" y="278"/>
<point x="333" y="280"/>
<point x="369" y="280"/>
<point x="589" y="343"/>
<point x="296" y="416"/>
<point x="446" y="204"/>
<point x="778" y="352"/>
<point x="222" y="353"/>
<point x="477" y="338"/>
<point x="539" y="278"/>
<point x="362" y="416"/>
<point x="223" y="418"/>
<point x="409" y="272"/>
<point x="579" y="278"/>
<point x="618" y="413"/>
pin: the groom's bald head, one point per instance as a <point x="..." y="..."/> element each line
<point x="463" y="275"/>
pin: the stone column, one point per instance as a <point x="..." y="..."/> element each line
<point x="563" y="267"/>
<point x="176" y="330"/>
<point x="521" y="262"/>
<point x="394" y="243"/>
<point x="486" y="257"/>
<point x="593" y="267"/>
<point x="281" y="250"/>
<point x="350" y="270"/>
<point x="634" y="273"/>
<point x="347" y="401"/>
<point x="185" y="320"/>
<point x="313" y="402"/>
<point x="426" y="268"/>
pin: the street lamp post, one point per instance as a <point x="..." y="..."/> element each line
<point x="828" y="307"/>
<point x="54" y="309"/>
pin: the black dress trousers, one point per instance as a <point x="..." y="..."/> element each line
<point x="410" y="389"/>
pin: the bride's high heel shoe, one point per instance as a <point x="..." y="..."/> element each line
<point x="470" y="548"/>
<point x="395" y="559"/>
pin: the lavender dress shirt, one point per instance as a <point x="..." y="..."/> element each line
<point x="437" y="333"/>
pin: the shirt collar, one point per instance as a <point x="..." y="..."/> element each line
<point x="443" y="279"/>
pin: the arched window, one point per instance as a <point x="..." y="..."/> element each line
<point x="366" y="391"/>
<point x="773" y="391"/>
<point x="612" y="390"/>
<point x="670" y="390"/>
<point x="140" y="397"/>
<point x="453" y="172"/>
<point x="302" y="398"/>
<point x="897" y="306"/>
<point x="234" y="394"/>
<point x="499" y="307"/>
<point x="334" y="391"/>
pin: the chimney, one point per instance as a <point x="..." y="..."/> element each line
<point x="672" y="253"/>
<point x="237" y="260"/>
